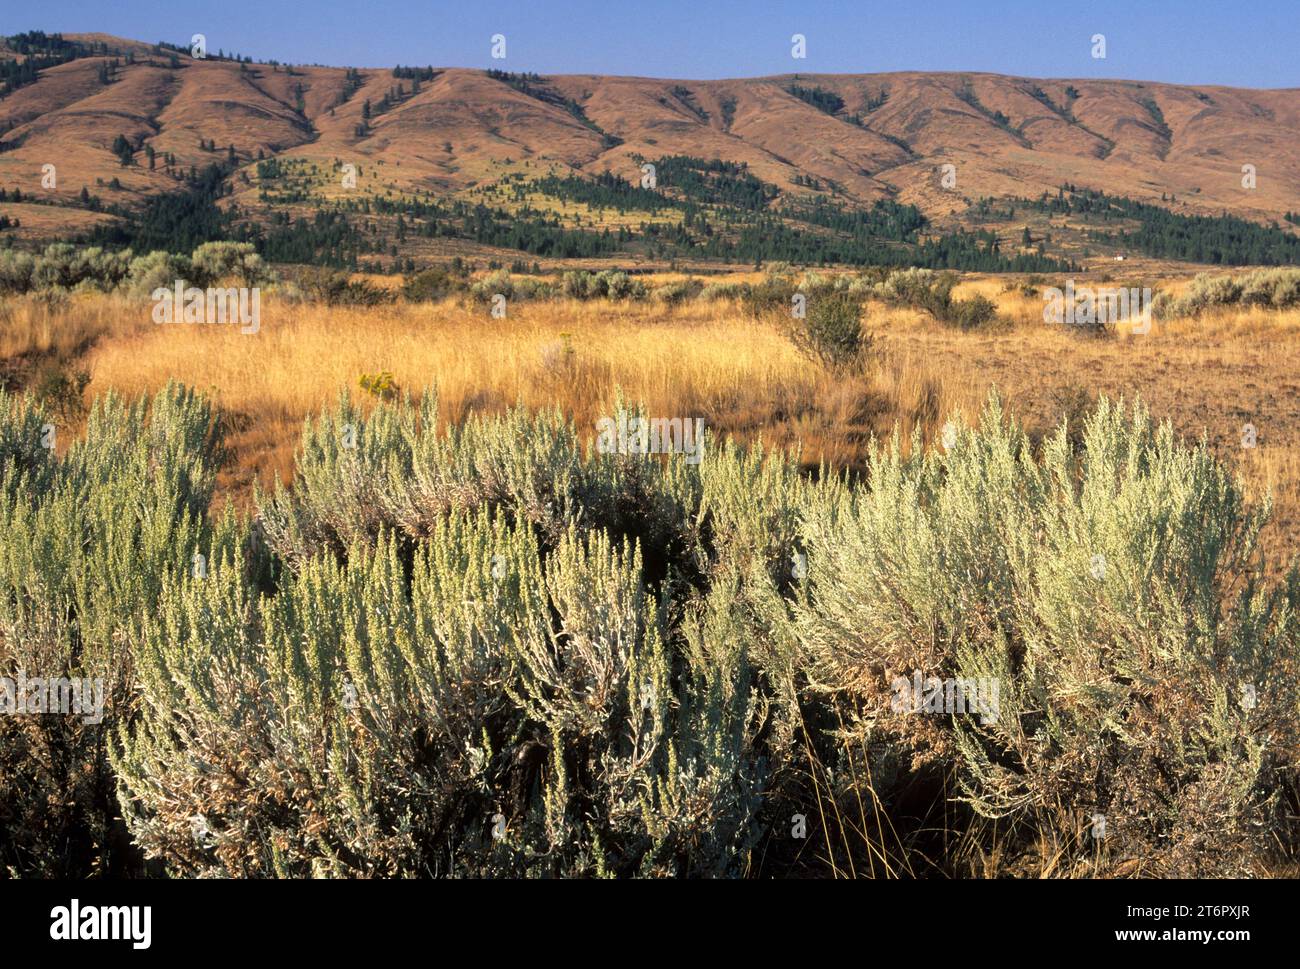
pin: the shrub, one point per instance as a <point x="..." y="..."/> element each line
<point x="54" y="267"/>
<point x="379" y="385"/>
<point x="530" y="287"/>
<point x="213" y="262"/>
<point x="63" y="267"/>
<point x="922" y="288"/>
<point x="1110" y="594"/>
<point x="86" y="545"/>
<point x="927" y="290"/>
<point x="16" y="268"/>
<point x="339" y="289"/>
<point x="969" y="314"/>
<point x="490" y="650"/>
<point x="504" y="684"/>
<point x="578" y="284"/>
<point x="619" y="285"/>
<point x="157" y="270"/>
<point x="359" y="476"/>
<point x="59" y="393"/>
<point x="831" y="331"/>
<point x="93" y="267"/>
<point x="430" y="285"/>
<point x="607" y="284"/>
<point x="1269" y="288"/>
<point x="721" y="291"/>
<point x="512" y="715"/>
<point x="24" y="460"/>
<point x="768" y="298"/>
<point x="677" y="292"/>
<point x="498" y="282"/>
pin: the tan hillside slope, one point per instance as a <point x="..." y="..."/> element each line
<point x="873" y="135"/>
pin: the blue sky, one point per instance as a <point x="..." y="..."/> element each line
<point x="1254" y="44"/>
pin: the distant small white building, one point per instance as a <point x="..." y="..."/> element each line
<point x="1121" y="257"/>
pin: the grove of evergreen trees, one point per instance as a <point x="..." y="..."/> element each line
<point x="40" y="50"/>
<point x="1217" y="239"/>
<point x="819" y="98"/>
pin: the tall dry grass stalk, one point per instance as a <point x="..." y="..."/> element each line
<point x="63" y="326"/>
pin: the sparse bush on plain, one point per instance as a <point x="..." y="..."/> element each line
<point x="677" y="292"/>
<point x="157" y="270"/>
<point x="972" y="313"/>
<point x="831" y="331"/>
<point x="931" y="291"/>
<point x="214" y="262"/>
<point x="337" y="288"/>
<point x="514" y="288"/>
<point x="722" y="291"/>
<point x="1266" y="288"/>
<point x="16" y="268"/>
<point x="431" y="285"/>
<point x="769" y="297"/>
<point x="381" y="385"/>
<point x="606" y="284"/>
<point x="922" y="288"/>
<point x="577" y="284"/>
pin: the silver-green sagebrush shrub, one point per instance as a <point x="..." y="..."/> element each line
<point x="213" y="262"/>
<point x="607" y="284"/>
<point x="86" y="543"/>
<point x="499" y="712"/>
<point x="395" y="468"/>
<point x="1107" y="600"/>
<point x="493" y="648"/>
<point x="26" y="459"/>
<point x="1276" y="288"/>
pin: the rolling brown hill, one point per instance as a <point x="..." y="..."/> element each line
<point x="463" y="129"/>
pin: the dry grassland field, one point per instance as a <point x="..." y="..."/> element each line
<point x="469" y="472"/>
<point x="1210" y="375"/>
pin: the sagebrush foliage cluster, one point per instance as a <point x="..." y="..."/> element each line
<point x="1277" y="289"/>
<point x="86" y="544"/>
<point x="488" y="649"/>
<point x="63" y="268"/>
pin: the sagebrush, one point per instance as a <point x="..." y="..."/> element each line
<point x="488" y="649"/>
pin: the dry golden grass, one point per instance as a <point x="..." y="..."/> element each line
<point x="1209" y="376"/>
<point x="702" y="359"/>
<point x="61" y="327"/>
